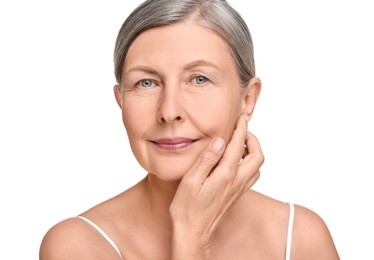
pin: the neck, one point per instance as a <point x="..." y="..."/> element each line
<point x="158" y="195"/>
<point x="161" y="193"/>
<point x="150" y="201"/>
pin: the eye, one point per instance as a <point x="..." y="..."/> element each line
<point x="200" y="80"/>
<point x="145" y="83"/>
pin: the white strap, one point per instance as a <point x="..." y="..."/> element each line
<point x="289" y="231"/>
<point x="103" y="234"/>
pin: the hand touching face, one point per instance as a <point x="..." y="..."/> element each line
<point x="180" y="90"/>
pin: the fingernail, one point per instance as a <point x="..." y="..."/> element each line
<point x="217" y="144"/>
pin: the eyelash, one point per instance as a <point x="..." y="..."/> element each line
<point x="139" y="83"/>
<point x="193" y="81"/>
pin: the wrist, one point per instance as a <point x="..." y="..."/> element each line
<point x="188" y="243"/>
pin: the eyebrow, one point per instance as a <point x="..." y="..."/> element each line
<point x="198" y="63"/>
<point x="143" y="68"/>
<point x="188" y="66"/>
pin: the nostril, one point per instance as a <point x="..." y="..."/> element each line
<point x="175" y="119"/>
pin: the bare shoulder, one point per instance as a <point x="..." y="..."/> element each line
<point x="311" y="236"/>
<point x="74" y="239"/>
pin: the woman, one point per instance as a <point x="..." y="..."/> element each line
<point x="187" y="88"/>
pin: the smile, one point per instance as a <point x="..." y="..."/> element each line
<point x="173" y="144"/>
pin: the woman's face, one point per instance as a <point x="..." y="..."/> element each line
<point x="180" y="89"/>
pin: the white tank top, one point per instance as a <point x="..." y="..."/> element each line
<point x="288" y="242"/>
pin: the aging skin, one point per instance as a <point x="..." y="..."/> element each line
<point x="180" y="90"/>
<point x="186" y="118"/>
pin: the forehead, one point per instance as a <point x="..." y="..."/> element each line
<point x="179" y="43"/>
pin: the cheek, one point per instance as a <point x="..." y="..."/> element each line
<point x="136" y="113"/>
<point x="216" y="116"/>
<point x="137" y="122"/>
<point x="137" y="119"/>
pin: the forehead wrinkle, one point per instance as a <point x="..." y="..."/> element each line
<point x="146" y="53"/>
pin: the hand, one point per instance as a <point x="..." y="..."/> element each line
<point x="210" y="188"/>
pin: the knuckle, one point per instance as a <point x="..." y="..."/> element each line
<point x="208" y="159"/>
<point x="226" y="176"/>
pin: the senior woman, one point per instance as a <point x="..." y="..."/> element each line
<point x="187" y="87"/>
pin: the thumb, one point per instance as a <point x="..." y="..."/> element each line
<point x="201" y="169"/>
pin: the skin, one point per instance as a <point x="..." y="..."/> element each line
<point x="175" y="100"/>
<point x="196" y="202"/>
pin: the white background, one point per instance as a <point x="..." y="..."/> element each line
<point x="63" y="148"/>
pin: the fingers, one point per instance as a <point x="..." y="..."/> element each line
<point x="248" y="170"/>
<point x="207" y="161"/>
<point x="253" y="148"/>
<point x="235" y="149"/>
<point x="241" y="159"/>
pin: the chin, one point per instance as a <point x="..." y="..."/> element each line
<point x="167" y="178"/>
<point x="169" y="172"/>
<point x="171" y="176"/>
<point x="169" y="167"/>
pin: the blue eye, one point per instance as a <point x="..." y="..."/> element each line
<point x="200" y="80"/>
<point x="145" y="83"/>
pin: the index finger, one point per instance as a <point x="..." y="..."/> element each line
<point x="234" y="151"/>
<point x="206" y="162"/>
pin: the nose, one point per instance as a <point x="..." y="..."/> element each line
<point x="171" y="109"/>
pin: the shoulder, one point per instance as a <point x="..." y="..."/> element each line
<point x="311" y="236"/>
<point x="74" y="239"/>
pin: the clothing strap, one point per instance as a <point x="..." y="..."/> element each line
<point x="288" y="242"/>
<point x="103" y="234"/>
<point x="289" y="231"/>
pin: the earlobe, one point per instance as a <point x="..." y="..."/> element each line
<point x="117" y="95"/>
<point x="250" y="98"/>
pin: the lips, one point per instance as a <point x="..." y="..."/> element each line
<point x="173" y="143"/>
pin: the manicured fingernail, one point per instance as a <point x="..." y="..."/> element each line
<point x="218" y="144"/>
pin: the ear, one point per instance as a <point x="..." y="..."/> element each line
<point x="250" y="96"/>
<point x="117" y="94"/>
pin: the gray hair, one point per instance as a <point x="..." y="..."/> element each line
<point x="217" y="15"/>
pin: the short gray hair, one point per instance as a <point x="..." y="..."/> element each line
<point x="217" y="15"/>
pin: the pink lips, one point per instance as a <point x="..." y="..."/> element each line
<point x="173" y="143"/>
